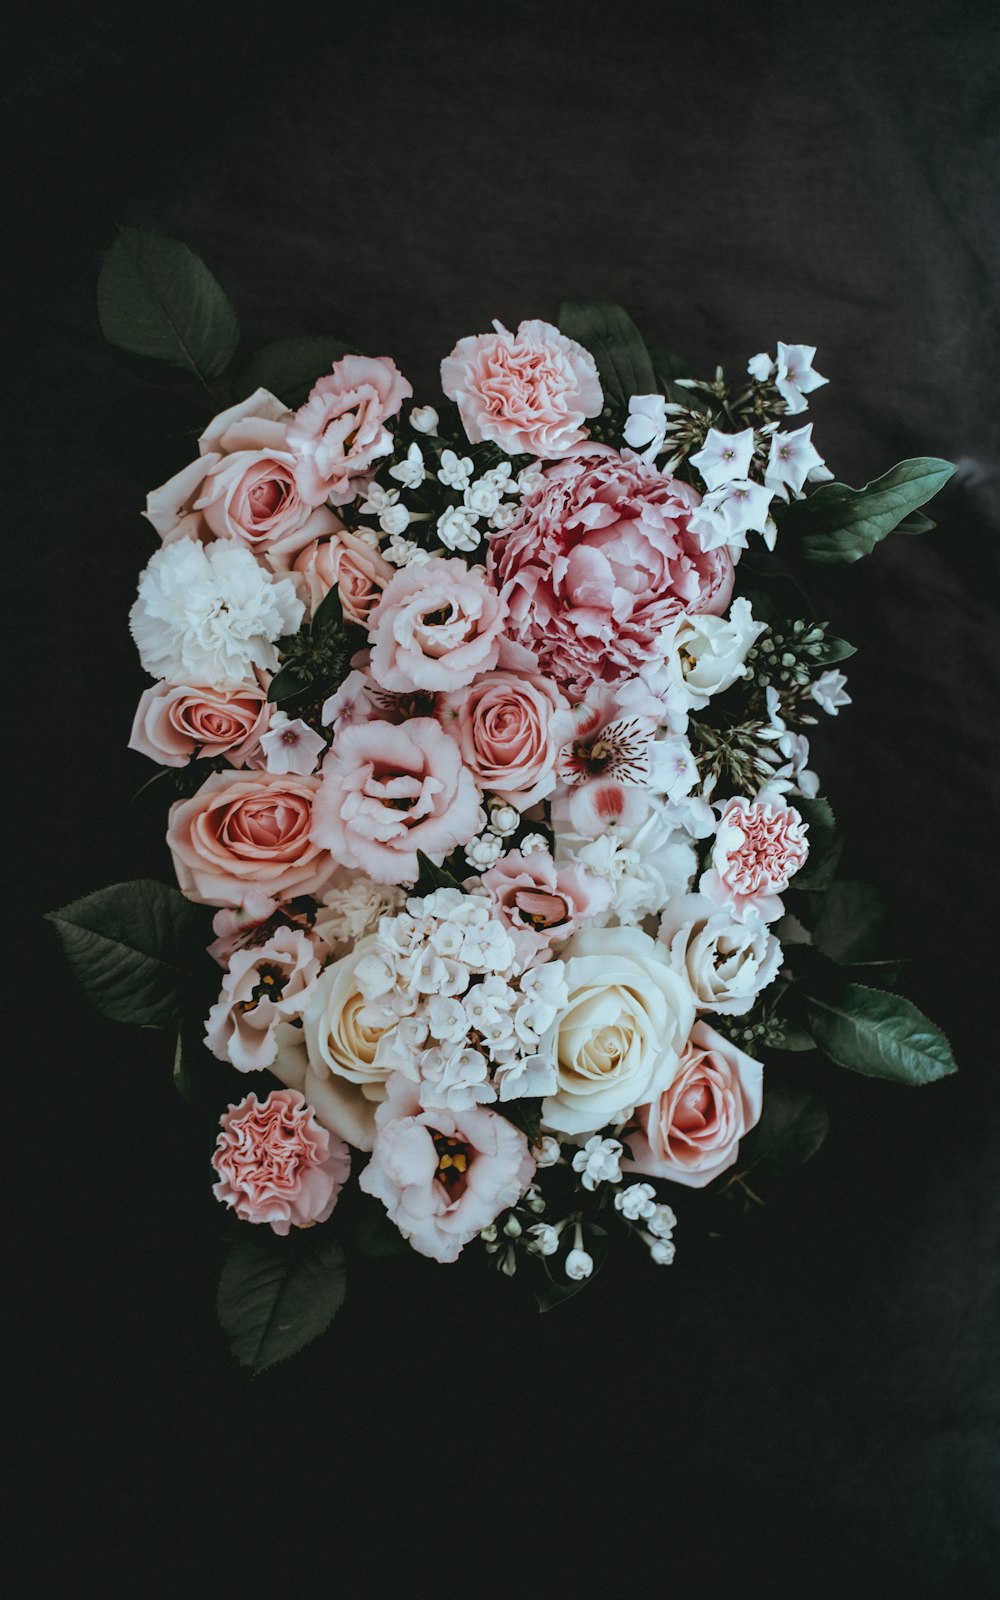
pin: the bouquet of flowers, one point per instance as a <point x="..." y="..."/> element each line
<point x="485" y="726"/>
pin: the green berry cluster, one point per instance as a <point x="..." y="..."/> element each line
<point x="788" y="660"/>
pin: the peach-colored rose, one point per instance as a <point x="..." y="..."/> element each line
<point x="387" y="791"/>
<point x="541" y="902"/>
<point x="530" y="392"/>
<point x="759" y="846"/>
<point x="691" y="1132"/>
<point x="175" y="721"/>
<point x="277" y="1164"/>
<point x="248" y="829"/>
<point x="437" y="626"/>
<point x="510" y="729"/>
<point x="344" y="560"/>
<point x="340" y="432"/>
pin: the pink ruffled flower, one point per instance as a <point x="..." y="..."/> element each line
<point x="541" y="902"/>
<point x="510" y="728"/>
<point x="277" y="1164"/>
<point x="340" y="432"/>
<point x="443" y="1176"/>
<point x="759" y="846"/>
<point x="530" y="392"/>
<point x="390" y="790"/>
<point x="599" y="559"/>
<point x="436" y="627"/>
<point x="263" y="987"/>
<point x="248" y="829"/>
<point x="175" y="721"/>
<point x="692" y="1131"/>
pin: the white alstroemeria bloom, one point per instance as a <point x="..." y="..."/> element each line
<point x="792" y="457"/>
<point x="394" y="519"/>
<point x="457" y="529"/>
<point x="760" y="367"/>
<point x="646" y="425"/>
<point x="728" y="514"/>
<point x="424" y="419"/>
<point x="795" y="377"/>
<point x="598" y="1161"/>
<point x="828" y="692"/>
<point x="411" y="472"/>
<point x="455" y="471"/>
<point x="705" y="655"/>
<point x="724" y="457"/>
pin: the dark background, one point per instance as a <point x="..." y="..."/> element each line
<point x="811" y="1406"/>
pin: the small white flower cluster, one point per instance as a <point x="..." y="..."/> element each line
<point x="485" y="850"/>
<point x="638" y="1205"/>
<point x="484" y="499"/>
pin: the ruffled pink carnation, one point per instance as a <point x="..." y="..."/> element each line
<point x="692" y="1131"/>
<point x="443" y="1176"/>
<point x="530" y="392"/>
<point x="759" y="846"/>
<point x="541" y="902"/>
<point x="436" y="627"/>
<point x="174" y="722"/>
<point x="264" y="986"/>
<point x="599" y="559"/>
<point x="510" y="728"/>
<point x="243" y="830"/>
<point x="277" y="1164"/>
<point x="340" y="432"/>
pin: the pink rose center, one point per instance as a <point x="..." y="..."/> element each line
<point x="694" y="1110"/>
<point x="265" y="824"/>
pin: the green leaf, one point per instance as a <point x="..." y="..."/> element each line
<point x="851" y="923"/>
<point x="276" y="1295"/>
<point x="285" y="685"/>
<point x="616" y="345"/>
<point x="196" y="1071"/>
<point x="431" y="877"/>
<point x="289" y="368"/>
<point x="915" y="524"/>
<point x="668" y="368"/>
<point x="833" y="650"/>
<point x="373" y="1235"/>
<point x="836" y="523"/>
<point x="130" y="947"/>
<point x="784" y="1034"/>
<point x="156" y="298"/>
<point x="824" y="849"/>
<point x="329" y="614"/>
<point x="879" y="1034"/>
<point x="792" y="1126"/>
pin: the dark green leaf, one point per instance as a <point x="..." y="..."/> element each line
<point x="195" y="1068"/>
<point x="824" y="850"/>
<point x="668" y="368"/>
<point x="373" y="1235"/>
<point x="836" y="523"/>
<point x="784" y="1034"/>
<point x="156" y="298"/>
<point x="851" y="923"/>
<point x="289" y="368"/>
<point x="329" y="614"/>
<point x="616" y="345"/>
<point x="792" y="1126"/>
<point x="276" y="1295"/>
<point x="917" y="523"/>
<point x="284" y="685"/>
<point x="129" y="947"/>
<point x="431" y="877"/>
<point x="879" y="1034"/>
<point x="833" y="650"/>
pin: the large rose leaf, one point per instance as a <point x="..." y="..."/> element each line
<point x="131" y="948"/>
<point x="289" y="368"/>
<point x="879" y="1034"/>
<point x="156" y="298"/>
<point x="792" y="1126"/>
<point x="836" y="523"/>
<point x="616" y="345"/>
<point x="276" y="1295"/>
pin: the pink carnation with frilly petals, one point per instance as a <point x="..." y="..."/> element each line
<point x="340" y="432"/>
<point x="599" y="559"/>
<point x="759" y="846"/>
<point x="277" y="1164"/>
<point x="530" y="392"/>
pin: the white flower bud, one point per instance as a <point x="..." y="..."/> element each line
<point x="547" y="1151"/>
<point x="424" y="419"/>
<point x="532" y="842"/>
<point x="512" y="1228"/>
<point x="504" y="819"/>
<point x="484" y="851"/>
<point x="662" y="1252"/>
<point x="579" y="1265"/>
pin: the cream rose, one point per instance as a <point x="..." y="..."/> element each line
<point x="617" y="1042"/>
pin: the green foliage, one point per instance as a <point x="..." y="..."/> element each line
<point x="430" y="877"/>
<point x="276" y="1295"/>
<point x="792" y="1126"/>
<point x="836" y="523"/>
<point x="879" y="1034"/>
<point x="371" y="1233"/>
<point x="824" y="847"/>
<point x="289" y="368"/>
<point x="156" y="298"/>
<point x="668" y="368"/>
<point x="850" y="926"/>
<point x="318" y="657"/>
<point x="616" y="345"/>
<point x="130" y="947"/>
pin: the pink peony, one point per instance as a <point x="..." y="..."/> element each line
<point x="344" y="560"/>
<point x="277" y="1164"/>
<point x="691" y="1132"/>
<point x="528" y="392"/>
<point x="263" y="987"/>
<point x="340" y="432"/>
<point x="541" y="902"/>
<point x="390" y="790"/>
<point x="437" y="626"/>
<point x="598" y="560"/>
<point x="443" y="1176"/>
<point x="174" y="722"/>
<point x="759" y="846"/>
<point x="243" y="830"/>
<point x="510" y="728"/>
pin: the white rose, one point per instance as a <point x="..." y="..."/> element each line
<point x="705" y="655"/>
<point x="727" y="963"/>
<point x="617" y="1040"/>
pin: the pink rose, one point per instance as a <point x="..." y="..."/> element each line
<point x="691" y="1132"/>
<point x="759" y="846"/>
<point x="340" y="432"/>
<point x="528" y="392"/>
<point x="510" y="729"/>
<point x="344" y="561"/>
<point x="277" y="1164"/>
<point x="599" y="559"/>
<point x="389" y="790"/>
<point x="541" y="902"/>
<point x="443" y="1176"/>
<point x="245" y="830"/>
<point x="437" y="626"/>
<point x="263" y="987"/>
<point x="174" y="722"/>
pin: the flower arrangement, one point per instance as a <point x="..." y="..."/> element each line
<point x="501" y="870"/>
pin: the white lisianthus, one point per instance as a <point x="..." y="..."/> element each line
<point x="705" y="654"/>
<point x="726" y="963"/>
<point x="210" y="614"/>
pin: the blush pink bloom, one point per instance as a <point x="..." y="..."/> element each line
<point x="277" y="1164"/>
<point x="541" y="902"/>
<point x="340" y="432"/>
<point x="248" y="830"/>
<point x="174" y="722"/>
<point x="443" y="1176"/>
<point x="759" y="846"/>
<point x="344" y="561"/>
<point x="437" y="626"/>
<point x="359" y="699"/>
<point x="692" y="1131"/>
<point x="263" y="987"/>
<point x="389" y="790"/>
<point x="530" y="392"/>
<point x="599" y="559"/>
<point x="235" y="927"/>
<point x="510" y="728"/>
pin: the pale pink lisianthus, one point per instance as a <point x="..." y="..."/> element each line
<point x="599" y="559"/>
<point x="387" y="791"/>
<point x="759" y="846"/>
<point x="443" y="1176"/>
<point x="277" y="1164"/>
<point x="343" y="561"/>
<point x="510" y="728"/>
<point x="341" y="432"/>
<point x="692" y="1131"/>
<point x="243" y="830"/>
<point x="541" y="902"/>
<point x="436" y="627"/>
<point x="240" y="925"/>
<point x="530" y="392"/>
<point x="174" y="722"/>
<point x="263" y="987"/>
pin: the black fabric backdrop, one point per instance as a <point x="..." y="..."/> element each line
<point x="810" y="1407"/>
